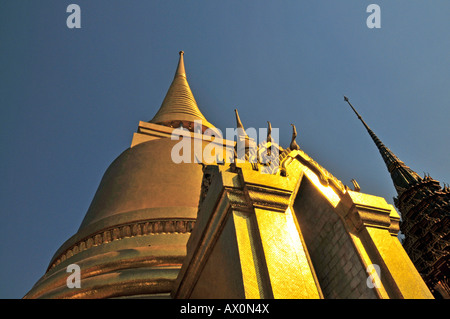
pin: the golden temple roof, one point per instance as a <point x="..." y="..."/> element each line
<point x="179" y="106"/>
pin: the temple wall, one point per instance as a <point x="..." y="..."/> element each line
<point x="336" y="263"/>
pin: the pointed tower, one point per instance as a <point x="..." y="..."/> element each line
<point x="425" y="211"/>
<point x="179" y="107"/>
<point x="132" y="240"/>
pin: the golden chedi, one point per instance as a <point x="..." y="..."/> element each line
<point x="132" y="240"/>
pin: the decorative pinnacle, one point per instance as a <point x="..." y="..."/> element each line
<point x="238" y="120"/>
<point x="356" y="187"/>
<point x="180" y="69"/>
<point x="294" y="145"/>
<point x="269" y="132"/>
<point x="357" y="114"/>
<point x="294" y="131"/>
<point x="383" y="149"/>
<point x="403" y="176"/>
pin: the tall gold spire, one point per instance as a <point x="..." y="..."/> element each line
<point x="179" y="106"/>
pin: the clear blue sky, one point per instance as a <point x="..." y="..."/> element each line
<point x="71" y="98"/>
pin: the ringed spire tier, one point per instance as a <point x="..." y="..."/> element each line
<point x="179" y="107"/>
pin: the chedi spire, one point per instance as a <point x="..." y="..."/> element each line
<point x="179" y="107"/>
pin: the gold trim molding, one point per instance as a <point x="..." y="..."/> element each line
<point x="118" y="232"/>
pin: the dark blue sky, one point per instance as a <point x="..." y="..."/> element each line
<point x="71" y="98"/>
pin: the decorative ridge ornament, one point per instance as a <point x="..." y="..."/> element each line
<point x="269" y="132"/>
<point x="356" y="187"/>
<point x="238" y="121"/>
<point x="294" y="145"/>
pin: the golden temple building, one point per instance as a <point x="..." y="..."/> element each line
<point x="273" y="225"/>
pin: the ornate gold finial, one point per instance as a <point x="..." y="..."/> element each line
<point x="243" y="137"/>
<point x="269" y="138"/>
<point x="238" y="120"/>
<point x="294" y="145"/>
<point x="181" y="52"/>
<point x="356" y="187"/>
<point x="269" y="132"/>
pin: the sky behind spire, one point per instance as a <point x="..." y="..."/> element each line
<point x="72" y="98"/>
